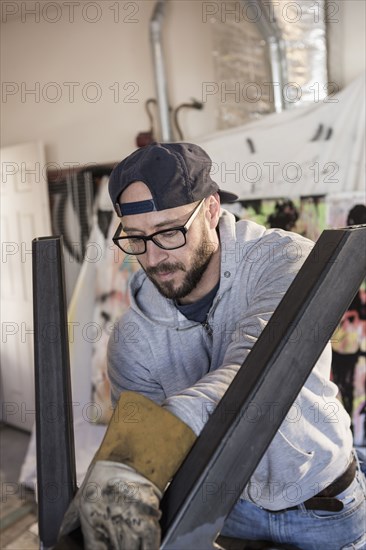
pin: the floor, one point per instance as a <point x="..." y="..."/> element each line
<point x="18" y="510"/>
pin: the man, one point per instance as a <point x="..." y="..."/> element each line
<point x="206" y="290"/>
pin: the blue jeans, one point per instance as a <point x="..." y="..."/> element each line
<point x="305" y="529"/>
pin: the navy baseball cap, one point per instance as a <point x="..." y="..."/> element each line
<point x="175" y="173"/>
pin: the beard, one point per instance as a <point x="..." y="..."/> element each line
<point x="201" y="258"/>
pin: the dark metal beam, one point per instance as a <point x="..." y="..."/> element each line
<point x="233" y="441"/>
<point x="56" y="473"/>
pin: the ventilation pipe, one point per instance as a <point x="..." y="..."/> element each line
<point x="156" y="23"/>
<point x="272" y="35"/>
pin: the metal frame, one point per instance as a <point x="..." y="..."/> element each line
<point x="56" y="472"/>
<point x="278" y="365"/>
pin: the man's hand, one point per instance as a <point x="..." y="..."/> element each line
<point x="117" y="508"/>
<point x="117" y="504"/>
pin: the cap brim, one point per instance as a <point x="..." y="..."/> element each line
<point x="225" y="196"/>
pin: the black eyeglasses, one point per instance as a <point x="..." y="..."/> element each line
<point x="168" y="239"/>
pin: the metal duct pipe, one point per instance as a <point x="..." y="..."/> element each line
<point x="272" y="36"/>
<point x="159" y="68"/>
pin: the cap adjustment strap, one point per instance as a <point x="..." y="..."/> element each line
<point x="139" y="207"/>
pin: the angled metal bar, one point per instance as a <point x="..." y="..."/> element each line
<point x="56" y="472"/>
<point x="231" y="444"/>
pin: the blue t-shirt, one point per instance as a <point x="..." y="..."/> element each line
<point x="198" y="310"/>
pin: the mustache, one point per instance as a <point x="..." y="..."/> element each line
<point x="165" y="268"/>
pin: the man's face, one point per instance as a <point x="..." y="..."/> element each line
<point x="175" y="273"/>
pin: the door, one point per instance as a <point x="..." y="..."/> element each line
<point x="24" y="215"/>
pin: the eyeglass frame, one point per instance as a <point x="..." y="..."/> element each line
<point x="145" y="238"/>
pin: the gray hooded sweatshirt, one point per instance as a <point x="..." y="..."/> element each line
<point x="187" y="366"/>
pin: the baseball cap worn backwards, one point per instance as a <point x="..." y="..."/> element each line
<point x="175" y="173"/>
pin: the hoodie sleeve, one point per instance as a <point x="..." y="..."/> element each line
<point x="126" y="369"/>
<point x="267" y="287"/>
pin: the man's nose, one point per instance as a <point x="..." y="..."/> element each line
<point x="154" y="254"/>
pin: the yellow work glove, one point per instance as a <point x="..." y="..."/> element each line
<point x="117" y="504"/>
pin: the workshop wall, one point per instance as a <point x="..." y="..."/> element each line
<point x="352" y="19"/>
<point x="89" y="66"/>
<point x="79" y="83"/>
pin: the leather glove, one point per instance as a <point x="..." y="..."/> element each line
<point x="117" y="508"/>
<point x="117" y="505"/>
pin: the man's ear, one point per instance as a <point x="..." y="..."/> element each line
<point x="214" y="210"/>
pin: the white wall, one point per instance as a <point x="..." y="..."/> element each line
<point x="352" y="21"/>
<point x="115" y="52"/>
